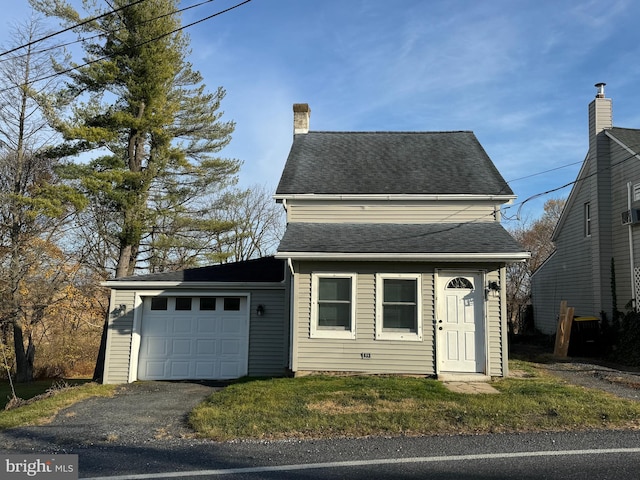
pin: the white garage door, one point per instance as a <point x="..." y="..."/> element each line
<point x="193" y="338"/>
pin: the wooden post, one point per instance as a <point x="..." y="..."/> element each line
<point x="563" y="334"/>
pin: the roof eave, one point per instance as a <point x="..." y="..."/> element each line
<point x="129" y="284"/>
<point x="511" y="257"/>
<point x="393" y="196"/>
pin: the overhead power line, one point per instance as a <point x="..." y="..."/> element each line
<point x="68" y="70"/>
<point x="84" y="39"/>
<point x="89" y="20"/>
<point x="574" y="182"/>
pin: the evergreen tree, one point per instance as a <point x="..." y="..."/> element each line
<point x="153" y="130"/>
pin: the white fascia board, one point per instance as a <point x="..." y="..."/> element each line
<point x="394" y="197"/>
<point x="128" y="284"/>
<point x="409" y="257"/>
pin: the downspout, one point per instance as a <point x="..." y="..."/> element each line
<point x="293" y="356"/>
<point x="631" y="257"/>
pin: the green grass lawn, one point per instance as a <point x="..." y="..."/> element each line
<point x="62" y="395"/>
<point x="325" y="406"/>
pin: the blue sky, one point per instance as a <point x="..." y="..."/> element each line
<point x="519" y="74"/>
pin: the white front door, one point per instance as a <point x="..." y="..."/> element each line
<point x="460" y="323"/>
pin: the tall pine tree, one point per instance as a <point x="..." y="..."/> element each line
<point x="151" y="126"/>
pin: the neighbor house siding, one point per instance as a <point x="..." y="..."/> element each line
<point x="347" y="211"/>
<point x="568" y="275"/>
<point x="625" y="170"/>
<point x="118" y="349"/>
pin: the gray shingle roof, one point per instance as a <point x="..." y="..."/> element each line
<point x="267" y="269"/>
<point x="628" y="136"/>
<point x="446" y="238"/>
<point x="390" y="163"/>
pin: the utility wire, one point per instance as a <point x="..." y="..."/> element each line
<point x="84" y="39"/>
<point x="89" y="20"/>
<point x="68" y="70"/>
<point x="545" y="171"/>
<point x="574" y="182"/>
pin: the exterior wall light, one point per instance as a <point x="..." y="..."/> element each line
<point x="260" y="310"/>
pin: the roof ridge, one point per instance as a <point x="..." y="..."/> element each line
<point x="390" y="131"/>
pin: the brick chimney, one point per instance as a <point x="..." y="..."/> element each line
<point x="301" y="114"/>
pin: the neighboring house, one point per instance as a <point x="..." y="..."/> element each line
<point x="393" y="261"/>
<point x="597" y="233"/>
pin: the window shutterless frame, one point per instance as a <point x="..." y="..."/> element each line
<point x="399" y="307"/>
<point x="333" y="305"/>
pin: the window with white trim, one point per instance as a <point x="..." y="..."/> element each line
<point x="333" y="305"/>
<point x="587" y="219"/>
<point x="398" y="307"/>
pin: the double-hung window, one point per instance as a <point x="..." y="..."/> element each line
<point x="333" y="305"/>
<point x="398" y="307"/>
<point x="587" y="219"/>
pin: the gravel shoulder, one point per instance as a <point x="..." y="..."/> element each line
<point x="617" y="381"/>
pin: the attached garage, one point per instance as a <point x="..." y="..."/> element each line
<point x="189" y="337"/>
<point x="212" y="323"/>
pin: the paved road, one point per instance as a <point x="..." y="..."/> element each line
<point x="598" y="455"/>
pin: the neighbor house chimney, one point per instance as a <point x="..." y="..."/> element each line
<point x="301" y="114"/>
<point x="600" y="114"/>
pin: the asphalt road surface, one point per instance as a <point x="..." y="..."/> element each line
<point x="588" y="455"/>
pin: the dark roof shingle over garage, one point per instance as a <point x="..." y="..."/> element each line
<point x="260" y="270"/>
<point x="390" y="163"/>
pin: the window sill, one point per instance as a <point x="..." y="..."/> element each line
<point x="344" y="335"/>
<point x="404" y="337"/>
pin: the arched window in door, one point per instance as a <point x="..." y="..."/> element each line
<point x="460" y="282"/>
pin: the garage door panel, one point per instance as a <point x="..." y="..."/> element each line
<point x="179" y="369"/>
<point x="206" y="325"/>
<point x="205" y="369"/>
<point x="229" y="370"/>
<point x="230" y="347"/>
<point x="181" y="325"/>
<point x="154" y="369"/>
<point x="231" y="325"/>
<point x="157" y="346"/>
<point x="205" y="347"/>
<point x="160" y="326"/>
<point x="193" y="344"/>
<point x="181" y="346"/>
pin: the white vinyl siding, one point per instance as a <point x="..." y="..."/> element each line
<point x="118" y="351"/>
<point x="348" y="211"/>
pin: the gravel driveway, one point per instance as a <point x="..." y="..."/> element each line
<point x="140" y="413"/>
